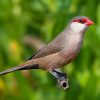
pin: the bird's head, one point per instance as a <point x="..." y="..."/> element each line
<point x="80" y="23"/>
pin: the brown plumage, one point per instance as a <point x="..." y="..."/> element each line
<point x="62" y="50"/>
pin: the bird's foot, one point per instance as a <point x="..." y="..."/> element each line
<point x="62" y="80"/>
<point x="61" y="77"/>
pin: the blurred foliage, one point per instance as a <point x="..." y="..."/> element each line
<point x="45" y="19"/>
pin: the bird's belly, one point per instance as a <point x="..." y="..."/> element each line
<point x="68" y="56"/>
<point x="71" y="57"/>
<point x="63" y="60"/>
<point x="57" y="60"/>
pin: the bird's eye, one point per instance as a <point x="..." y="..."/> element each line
<point x="82" y="21"/>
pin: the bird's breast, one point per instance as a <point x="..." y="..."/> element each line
<point x="71" y="49"/>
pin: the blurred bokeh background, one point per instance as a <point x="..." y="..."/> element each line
<point x="20" y="20"/>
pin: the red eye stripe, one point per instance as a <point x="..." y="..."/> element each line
<point x="80" y="20"/>
<point x="83" y="20"/>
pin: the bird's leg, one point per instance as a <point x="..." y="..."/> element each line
<point x="61" y="77"/>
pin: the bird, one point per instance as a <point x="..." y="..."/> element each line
<point x="62" y="50"/>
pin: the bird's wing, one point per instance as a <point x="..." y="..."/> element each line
<point x="44" y="52"/>
<point x="53" y="47"/>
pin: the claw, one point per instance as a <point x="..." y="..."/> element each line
<point x="62" y="79"/>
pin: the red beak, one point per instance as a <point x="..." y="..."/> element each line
<point x="89" y="22"/>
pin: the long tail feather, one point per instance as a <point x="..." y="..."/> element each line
<point x="19" y="68"/>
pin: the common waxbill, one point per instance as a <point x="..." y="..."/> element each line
<point x="60" y="51"/>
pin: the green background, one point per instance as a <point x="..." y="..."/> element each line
<point x="45" y="19"/>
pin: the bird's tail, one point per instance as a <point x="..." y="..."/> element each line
<point x="10" y="70"/>
<point x="21" y="67"/>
